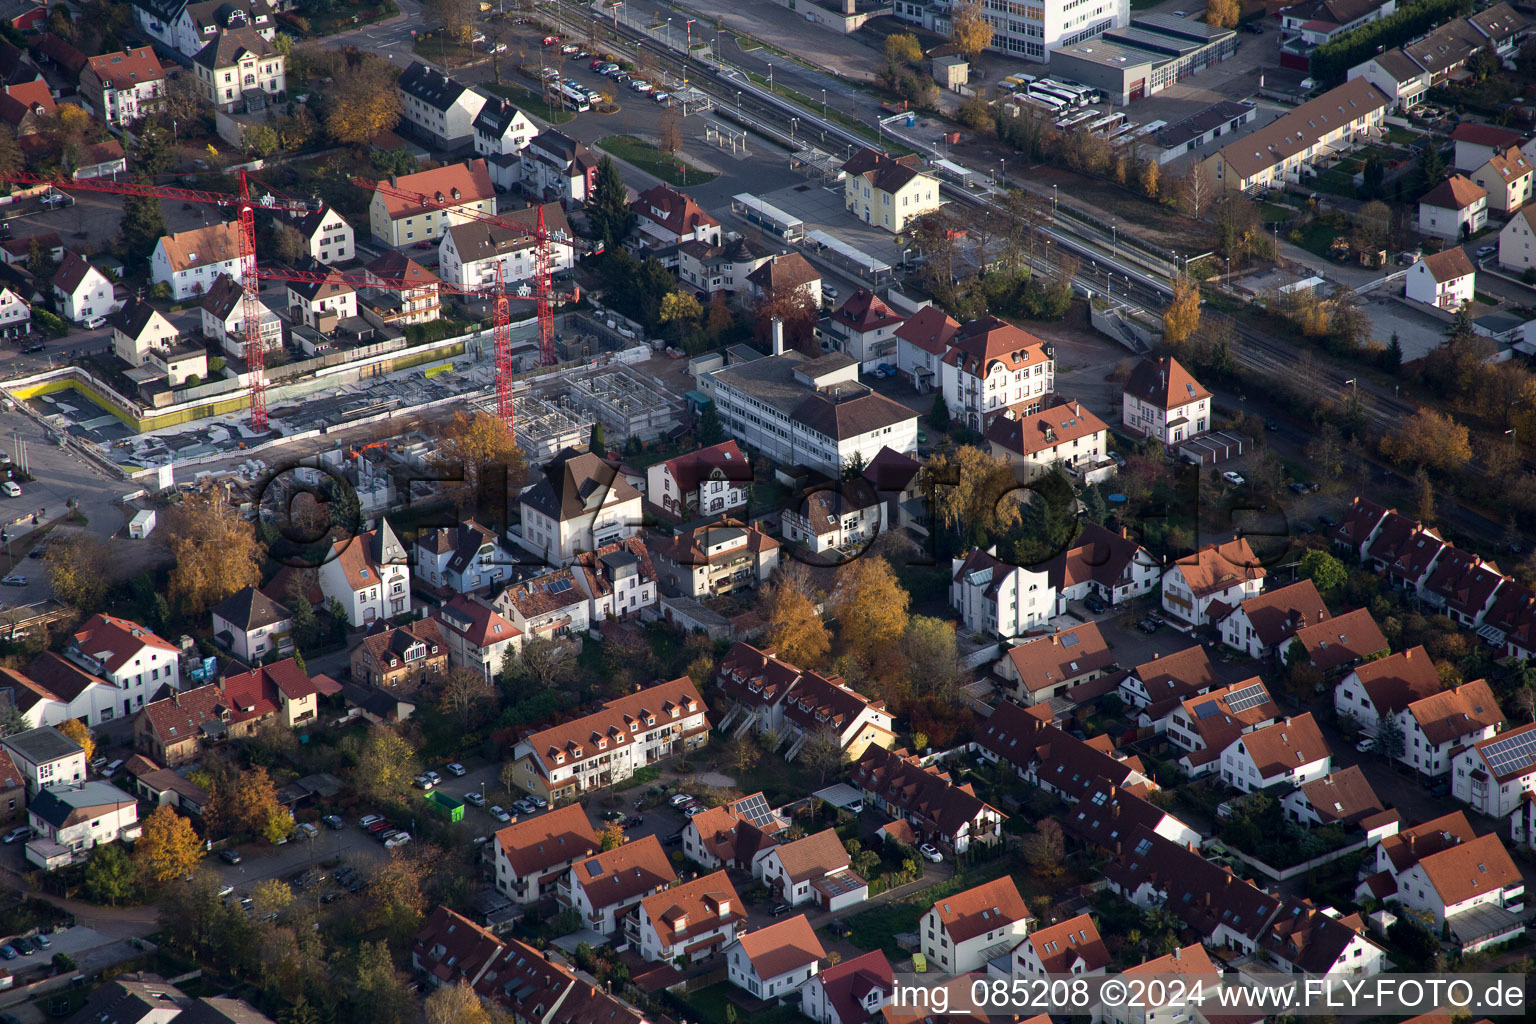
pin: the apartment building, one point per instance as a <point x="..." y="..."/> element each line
<point x="1280" y="152"/>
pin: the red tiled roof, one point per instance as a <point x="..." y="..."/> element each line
<point x="537" y="844"/>
<point x="1394" y="682"/>
<point x="1342" y="640"/>
<point x="1286" y="745"/>
<point x="930" y="329"/>
<point x="982" y="909"/>
<point x="1059" y="946"/>
<point x="1164" y="383"/>
<point x="470" y="180"/>
<point x="114" y="641"/>
<point x="619" y="875"/>
<point x="616" y="723"/>
<point x="783" y="946"/>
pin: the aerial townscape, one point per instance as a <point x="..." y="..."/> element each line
<point x="648" y="512"/>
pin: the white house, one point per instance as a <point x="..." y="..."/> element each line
<point x="775" y="961"/>
<point x="478" y="637"/>
<point x="921" y="342"/>
<point x="992" y="365"/>
<point x="252" y="625"/>
<point x="1203" y="726"/>
<point x="46" y="759"/>
<point x="137" y="329"/>
<point x="1477" y="143"/>
<point x="706" y="482"/>
<point x="603" y="887"/>
<point x="962" y="932"/>
<point x="370" y="575"/>
<point x="241" y="71"/>
<point x="1291" y="751"/>
<point x="186" y="27"/>
<point x="15" y="315"/>
<point x="437" y="109"/>
<point x="81" y="292"/>
<point x="618" y="579"/>
<point x="556" y="168"/>
<point x="123" y="86"/>
<point x="1455" y="209"/>
<point x="1228" y="573"/>
<point x="1506" y="177"/>
<point x="799" y="872"/>
<point x="69" y="821"/>
<point x="1434" y="727"/>
<point x="1263" y="625"/>
<point x="131" y="658"/>
<point x="995" y="597"/>
<point x="1106" y="563"/>
<point x="839" y="516"/>
<point x="1065" y="435"/>
<point x="1445" y="279"/>
<point x="666" y="217"/>
<point x="1385" y="687"/>
<point x="849" y="992"/>
<point x="694" y="920"/>
<point x="328" y="238"/>
<point x="1073" y="946"/>
<point x="550" y="606"/>
<point x="471" y="252"/>
<point x="865" y="328"/>
<point x="319" y="304"/>
<point x="534" y="855"/>
<point x="223" y="318"/>
<point x="191" y="261"/>
<point x="502" y="132"/>
<point x="579" y="503"/>
<point x="1401" y="78"/>
<point x="1161" y="399"/>
<point x="1159" y="685"/>
<point x="463" y="558"/>
<point x="1517" y="241"/>
<point x="1494" y="776"/>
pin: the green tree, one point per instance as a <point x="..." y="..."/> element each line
<point x="1325" y="571"/>
<point x="599" y="441"/>
<point x="139" y="230"/>
<point x="305" y="626"/>
<point x="608" y="209"/>
<point x="708" y="431"/>
<point x="938" y="416"/>
<point x="1389" y="737"/>
<point x="1431" y="167"/>
<point x="110" y="876"/>
<point x="385" y="766"/>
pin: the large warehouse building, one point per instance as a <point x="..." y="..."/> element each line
<point x="1147" y="56"/>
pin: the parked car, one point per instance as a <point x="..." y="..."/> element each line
<point x="18" y="835"/>
<point x="1233" y="478"/>
<point x="230" y="856"/>
<point x="422" y="782"/>
<point x="306" y="830"/>
<point x="1366" y="745"/>
<point x="388" y="834"/>
<point x="1328" y="520"/>
<point x="14" y="581"/>
<point x="398" y="839"/>
<point x="1117" y="459"/>
<point x="524" y="806"/>
<point x="1148" y="626"/>
<point x="538" y="802"/>
<point x="678" y="799"/>
<point x="1094" y="604"/>
<point x="43" y="941"/>
<point x="641" y="86"/>
<point x="930" y="852"/>
<point x="780" y="910"/>
<point x="9" y="952"/>
<point x="369" y="819"/>
<point x="334" y="821"/>
<point x="474" y="799"/>
<point x="499" y="813"/>
<point x="1486" y="251"/>
<point x="551" y="40"/>
<point x="569" y="48"/>
<point x="455" y="769"/>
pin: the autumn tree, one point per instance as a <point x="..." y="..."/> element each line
<point x="362" y="101"/>
<point x="822" y="752"/>
<point x="870" y="606"/>
<point x="1429" y="439"/>
<point x="457" y="18"/>
<point x="1326" y="572"/>
<point x="386" y="764"/>
<point x="972" y="493"/>
<point x="477" y="454"/>
<point x="214" y="553"/>
<point x="741" y="754"/>
<point x="612" y="835"/>
<point x="1195" y="192"/>
<point x="1326" y="451"/>
<point x="682" y="310"/>
<point x="969" y="28"/>
<point x="288" y="243"/>
<point x="1046" y="849"/>
<point x="1150" y="179"/>
<point x="903" y="48"/>
<point x="795" y="630"/>
<point x="462" y="690"/>
<point x="81" y="734"/>
<point x="168" y="848"/>
<point x="455" y="1004"/>
<point x="245" y="802"/>
<point x="928" y="647"/>
<point x="77" y="570"/>
<point x="1183" y="313"/>
<point x="1223" y="13"/>
<point x="380" y="994"/>
<point x="271" y="896"/>
<point x="669" y="130"/>
<point x="396" y="897"/>
<point x="792" y="307"/>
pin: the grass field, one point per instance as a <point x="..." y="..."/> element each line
<point x="653" y="161"/>
<point x="530" y="101"/>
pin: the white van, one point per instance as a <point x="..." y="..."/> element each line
<point x="11" y="489"/>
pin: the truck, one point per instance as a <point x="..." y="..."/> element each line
<point x="445" y="805"/>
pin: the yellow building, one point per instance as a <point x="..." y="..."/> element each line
<point x="888" y="191"/>
<point x="398" y="221"/>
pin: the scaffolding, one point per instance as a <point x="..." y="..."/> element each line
<point x="546" y="427"/>
<point x="625" y="402"/>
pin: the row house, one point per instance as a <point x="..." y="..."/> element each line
<point x="771" y="696"/>
<point x="1042" y="667"/>
<point x="619" y="580"/>
<point x="996" y="598"/>
<point x="1344" y="798"/>
<point x="547" y="607"/>
<point x="990" y="366"/>
<point x="1506" y="178"/>
<point x="864" y="328"/>
<point x="579" y="503"/>
<point x="1463" y="586"/>
<point x="1385" y="687"/>
<point x="604" y="887"/>
<point x="1312" y="942"/>
<point x="1340" y="643"/>
<point x="1156" y="687"/>
<point x="369" y="575"/>
<point x="813" y="869"/>
<point x="477" y="636"/>
<point x="736" y="835"/>
<point x="1292" y="144"/>
<point x="963" y="932"/>
<point x="1213" y="579"/>
<point x="1070" y="947"/>
<point x="1289" y="752"/>
<point x="1103" y="563"/>
<point x="937" y="809"/>
<point x="714" y="558"/>
<point x="713" y="481"/>
<point x="1494" y="776"/>
<point x="775" y="962"/>
<point x="179" y="728"/>
<point x="402" y="659"/>
<point x="1204" y="727"/>
<point x="689" y="922"/>
<point x="1262" y="626"/>
<point x="612" y="743"/>
<point x="531" y="856"/>
<point x="1107" y="813"/>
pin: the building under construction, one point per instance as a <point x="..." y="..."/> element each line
<point x="544" y="427"/>
<point x="626" y="403"/>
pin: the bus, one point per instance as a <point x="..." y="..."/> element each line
<point x="1052" y="105"/>
<point x="1120" y="132"/>
<point x="1048" y="89"/>
<point x="575" y="98"/>
<point x="1107" y="123"/>
<point x="1075" y="119"/>
<point x="1019" y="81"/>
<point x="1084" y="94"/>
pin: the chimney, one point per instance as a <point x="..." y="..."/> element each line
<point x="778" y="336"/>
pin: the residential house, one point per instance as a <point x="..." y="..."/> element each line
<point x="1191" y="965"/>
<point x="452" y="950"/>
<point x="1162" y="400"/>
<point x="1504" y="28"/>
<point x="1340" y="643"/>
<point x="1506" y="178"/>
<point x="15" y="315"/>
<point x="604" y="887"/>
<point x="175" y="730"/>
<point x="963" y="932"/>
<point x="689" y="922"/>
<point x="1454" y="210"/>
<point x="550" y="607"/>
<point x="54" y="688"/>
<point x="713" y="558"/>
<point x="471" y="254"/>
<point x="1360" y="526"/>
<point x="579" y="503"/>
<point x="782" y="275"/>
<point x="840" y="516"/>
<point x="888" y="192"/>
<point x="369" y="574"/>
<point x="138" y="328"/>
<point x="1317" y="21"/>
<point x="402" y="658"/>
<point x="1042" y="667"/>
<point x="502" y="132"/>
<point x="13" y="789"/>
<point x="992" y="365"/>
<point x="250" y="625"/>
<point x="439" y="111"/>
<point x="322" y="301"/>
<point x="1204" y="726"/>
<point x="795" y="704"/>
<point x="1292" y="145"/>
<point x="1291" y="751"/>
<point x="1212" y="579"/>
<point x="281" y="691"/>
<point x="625" y="734"/>
<point x="938" y="810"/>
<point x="666" y="218"/>
<point x="1516" y="240"/>
<point x="1385" y="687"/>
<point x="402" y="291"/>
<point x="1262" y="626"/>
<point x="1158" y="686"/>
<point x="896" y="479"/>
<point x="994" y="597"/>
<point x="1434" y="728"/>
<point x="735" y="835"/>
<point x="619" y="580"/>
<point x="864" y="328"/>
<point x="46" y="759"/>
<point x="421" y="207"/>
<point x="1477" y="143"/>
<point x="1494" y="776"/>
<point x="775" y="961"/>
<point x="812" y="869"/>
<point x="187" y="27"/>
<point x="707" y="481"/>
<point x="850" y="992"/>
<point x="462" y="558"/>
<point x="1104" y="563"/>
<point x="1066" y="435"/>
<point x="1445" y="279"/>
<point x="123" y="86"/>
<point x="1343" y="797"/>
<point x="328" y="238"/>
<point x="922" y="340"/>
<point x="533" y="855"/>
<point x="1464" y="586"/>
<point x="478" y="637"/>
<point x="24" y="106"/>
<point x="1313" y="942"/>
<point x="555" y="168"/>
<point x="223" y="318"/>
<point x="1070" y="947"/>
<point x="81" y="293"/>
<point x="191" y="261"/>
<point x="70" y="820"/>
<point x="724" y="269"/>
<point x="129" y="657"/>
<point x="241" y="71"/>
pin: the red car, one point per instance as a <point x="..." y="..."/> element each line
<point x="423" y="245"/>
<point x="551" y="40"/>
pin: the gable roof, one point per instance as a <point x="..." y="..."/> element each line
<point x="256" y="693"/>
<point x="1299" y="129"/>
<point x="112" y="641"/>
<point x="1059" y="946"/>
<point x="1214" y="720"/>
<point x="783" y="273"/>
<point x="1343" y="795"/>
<point x="930" y="329"/>
<point x="200" y="247"/>
<point x="723" y="461"/>
<point x="706" y="902"/>
<point x="496" y="116"/>
<point x="1471" y="868"/>
<point x="623" y="873"/>
<point x="362" y="555"/>
<point x="429" y="85"/>
<point x="863" y="311"/>
<point x="1510" y="165"/>
<point x="1199" y="892"/>
<point x="1045" y="661"/>
<point x="896" y="778"/>
<point x="1394" y="682"/>
<point x="781" y="947"/>
<point x="674" y="211"/>
<point x="848" y="983"/>
<point x="576" y="484"/>
<point x="1449" y="715"/>
<point x="982" y="909"/>
<point x="463" y="183"/>
<point x="1342" y="640"/>
<point x="1184" y="673"/>
<point x="981" y="344"/>
<point x="1033" y="433"/>
<point x="1490" y="135"/>
<point x="1449" y="264"/>
<point x="1507" y="767"/>
<point x="475" y="621"/>
<point x="401" y="272"/>
<point x="135" y="318"/>
<point x="536" y="844"/>
<point x="1164" y="383"/>
<point x="813" y="856"/>
<point x="392" y="643"/>
<point x="882" y="170"/>
<point x="1216" y="567"/>
<point x="1285" y="745"/>
<point x="231" y="45"/>
<point x="331" y="284"/>
<point x="248" y="608"/>
<point x="72" y="272"/>
<point x="616" y="722"/>
<point x="125" y="69"/>
<point x="1278" y="614"/>
<point x="1454" y="193"/>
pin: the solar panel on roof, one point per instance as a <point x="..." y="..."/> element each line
<point x="559" y="586"/>
<point x="755" y="809"/>
<point x="1508" y="754"/>
<point x="1206" y="709"/>
<point x="1248" y="697"/>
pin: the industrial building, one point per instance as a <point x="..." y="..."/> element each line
<point x="1028" y="30"/>
<point x="1153" y="52"/>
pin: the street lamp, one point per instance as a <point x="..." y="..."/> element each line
<point x="738" y="103"/>
<point x="1002" y="170"/>
<point x="1053" y="200"/>
<point x="770" y="77"/>
<point x="823" y="104"/>
<point x="1114" y="237"/>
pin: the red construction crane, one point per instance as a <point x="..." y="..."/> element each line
<point x="255" y="356"/>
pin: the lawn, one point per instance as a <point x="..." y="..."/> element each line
<point x="1270" y="212"/>
<point x="449" y="54"/>
<point x="653" y="161"/>
<point x="529" y="101"/>
<point x="711" y="1002"/>
<point x="878" y="928"/>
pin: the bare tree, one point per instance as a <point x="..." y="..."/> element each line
<point x="1195" y="192"/>
<point x="822" y="752"/>
<point x="669" y="132"/>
